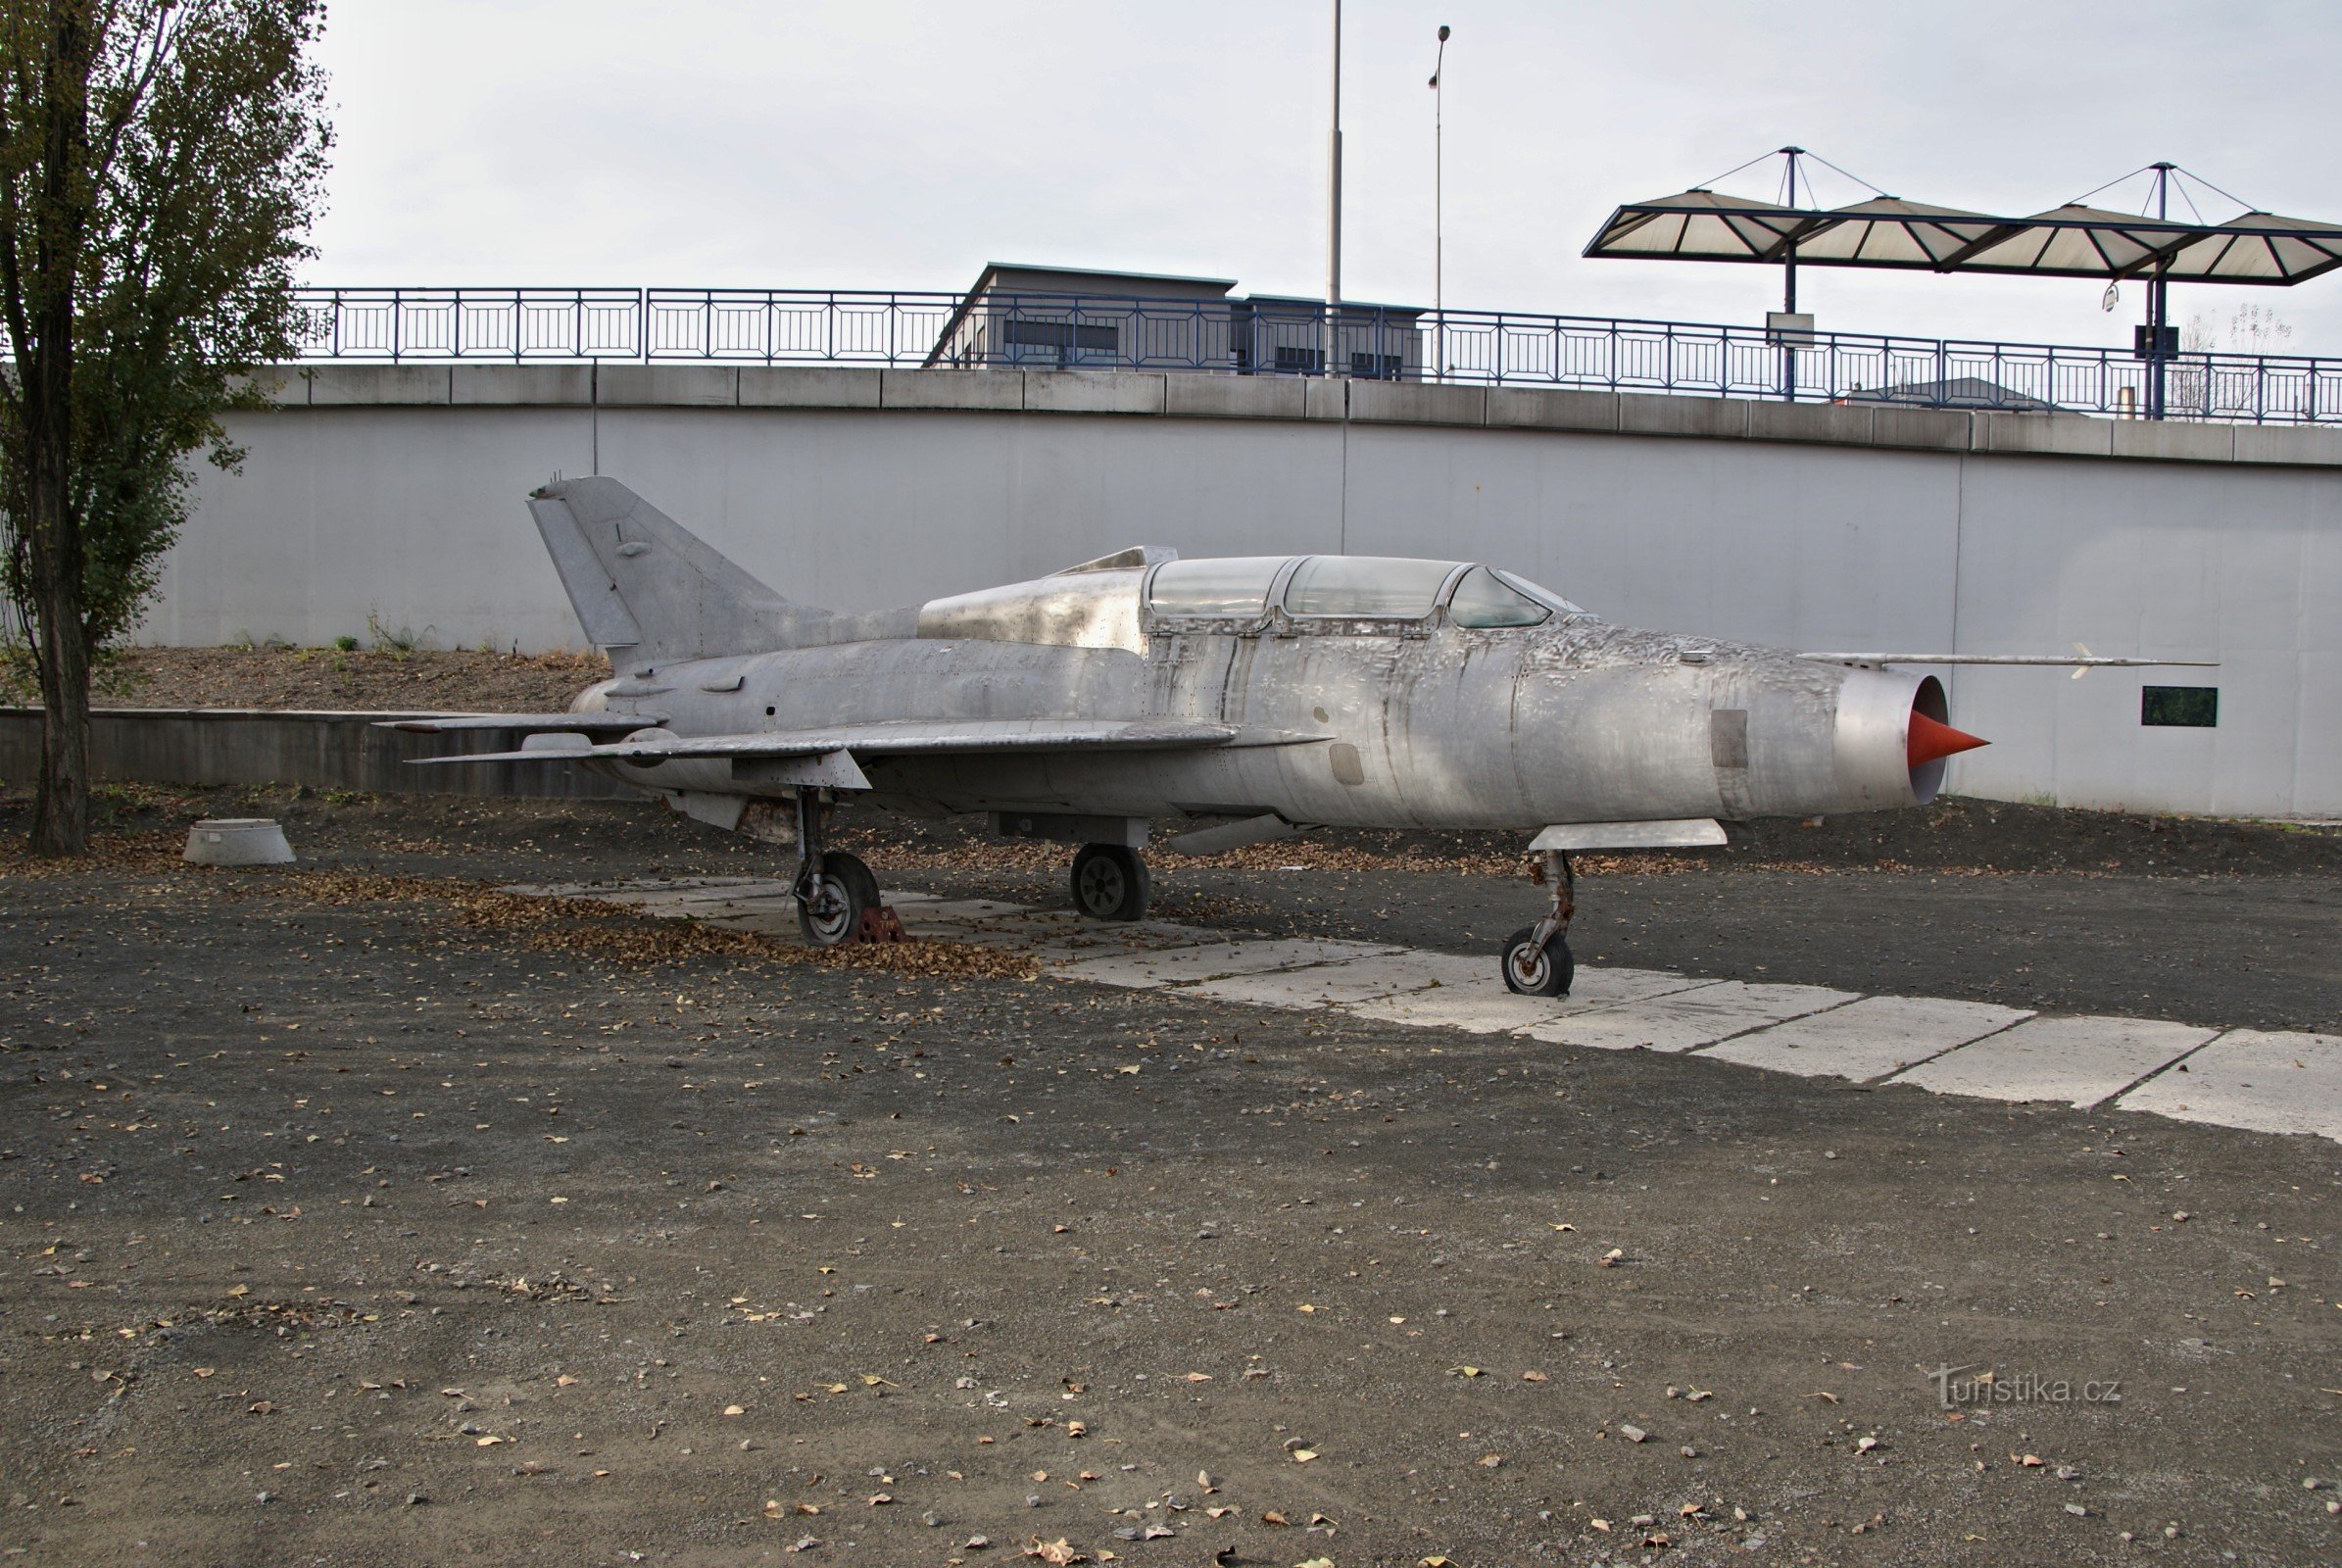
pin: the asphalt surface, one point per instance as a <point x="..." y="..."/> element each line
<point x="365" y="1218"/>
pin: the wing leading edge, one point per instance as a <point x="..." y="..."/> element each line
<point x="894" y="738"/>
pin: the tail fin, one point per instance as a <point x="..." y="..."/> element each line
<point x="647" y="591"/>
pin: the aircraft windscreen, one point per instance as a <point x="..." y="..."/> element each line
<point x="1367" y="587"/>
<point x="1543" y="595"/>
<point x="1230" y="585"/>
<point x="1485" y="602"/>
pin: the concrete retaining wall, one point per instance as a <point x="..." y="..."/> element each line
<point x="394" y="494"/>
<point x="208" y="746"/>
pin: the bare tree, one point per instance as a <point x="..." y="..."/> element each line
<point x="159" y="164"/>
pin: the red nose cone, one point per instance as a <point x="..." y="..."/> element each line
<point x="1931" y="739"/>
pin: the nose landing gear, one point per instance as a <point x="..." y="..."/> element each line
<point x="834" y="890"/>
<point x="1537" y="958"/>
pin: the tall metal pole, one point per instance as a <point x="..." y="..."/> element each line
<point x="2158" y="303"/>
<point x="1333" y="331"/>
<point x="1439" y="208"/>
<point x="1788" y="295"/>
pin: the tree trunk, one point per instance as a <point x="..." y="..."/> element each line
<point x="60" y="808"/>
<point x="61" y="805"/>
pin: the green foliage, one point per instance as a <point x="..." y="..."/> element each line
<point x="159" y="164"/>
<point x="346" y="643"/>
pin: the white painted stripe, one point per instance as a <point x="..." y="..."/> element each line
<point x="1865" y="1039"/>
<point x="2079" y="1060"/>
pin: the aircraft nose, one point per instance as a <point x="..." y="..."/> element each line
<point x="1931" y="739"/>
<point x="1894" y="738"/>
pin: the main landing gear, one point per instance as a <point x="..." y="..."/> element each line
<point x="834" y="891"/>
<point x="1110" y="882"/>
<point x="1537" y="958"/>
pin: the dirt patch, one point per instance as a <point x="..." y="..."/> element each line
<point x="365" y="678"/>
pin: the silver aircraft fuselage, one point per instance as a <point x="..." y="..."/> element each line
<point x="1364" y="721"/>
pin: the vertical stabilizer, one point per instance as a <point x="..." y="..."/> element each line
<point x="648" y="591"/>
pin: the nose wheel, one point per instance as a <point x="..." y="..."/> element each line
<point x="1537" y="959"/>
<point x="840" y="893"/>
<point x="834" y="890"/>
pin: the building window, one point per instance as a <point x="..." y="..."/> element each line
<point x="1058" y="343"/>
<point x="2180" y="706"/>
<point x="1375" y="367"/>
<point x="1299" y="360"/>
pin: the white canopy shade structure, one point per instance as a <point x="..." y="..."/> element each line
<point x="1888" y="231"/>
<point x="2074" y="240"/>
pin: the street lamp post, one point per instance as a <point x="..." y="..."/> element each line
<point x="1438" y="214"/>
<point x="1331" y="337"/>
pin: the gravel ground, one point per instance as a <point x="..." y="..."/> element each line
<point x="356" y="1214"/>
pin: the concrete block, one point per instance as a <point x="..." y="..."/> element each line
<point x="1645" y="414"/>
<point x="1329" y="985"/>
<point x="524" y="386"/>
<point x="1236" y="397"/>
<point x="1551" y="408"/>
<point x="2064" y="434"/>
<point x="1326" y="398"/>
<point x="676" y="386"/>
<point x="1144" y="971"/>
<point x="237" y="841"/>
<point x="1865" y="1039"/>
<point x="1479" y="1011"/>
<point x="377" y="385"/>
<point x="1928" y="429"/>
<point x="1686" y="1019"/>
<point x="1835" y="423"/>
<point x="809" y="386"/>
<point x="2270" y="1082"/>
<point x="1418" y="402"/>
<point x="2175" y="441"/>
<point x="998" y="390"/>
<point x="1094" y="391"/>
<point x="2289" y="443"/>
<point x="2076" y="1060"/>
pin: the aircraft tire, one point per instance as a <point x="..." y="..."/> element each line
<point x="1110" y="882"/>
<point x="849" y="890"/>
<point x="1531" y="972"/>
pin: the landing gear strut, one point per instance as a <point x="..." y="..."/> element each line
<point x="1537" y="958"/>
<point x="834" y="890"/>
<point x="1110" y="882"/>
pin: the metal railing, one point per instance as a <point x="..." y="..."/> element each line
<point x="1269" y="337"/>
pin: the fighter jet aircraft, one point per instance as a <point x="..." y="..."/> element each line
<point x="1240" y="699"/>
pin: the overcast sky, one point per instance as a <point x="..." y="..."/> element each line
<point x="904" y="143"/>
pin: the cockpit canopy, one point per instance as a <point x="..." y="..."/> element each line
<point x="1349" y="588"/>
<point x="1098" y="605"/>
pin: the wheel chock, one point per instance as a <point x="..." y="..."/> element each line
<point x="881" y="925"/>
